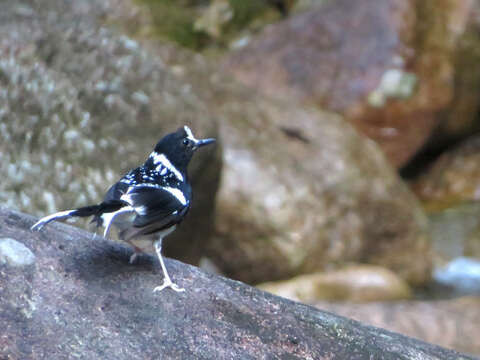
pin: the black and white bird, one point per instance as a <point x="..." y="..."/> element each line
<point x="148" y="202"/>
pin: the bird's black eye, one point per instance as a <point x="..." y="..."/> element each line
<point x="185" y="142"/>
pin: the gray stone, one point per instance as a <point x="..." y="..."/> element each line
<point x="89" y="303"/>
<point x="15" y="253"/>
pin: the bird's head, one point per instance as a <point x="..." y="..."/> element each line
<point x="179" y="146"/>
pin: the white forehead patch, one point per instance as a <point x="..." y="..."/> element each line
<point x="189" y="133"/>
<point x="161" y="159"/>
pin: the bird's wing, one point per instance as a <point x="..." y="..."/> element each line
<point x="156" y="207"/>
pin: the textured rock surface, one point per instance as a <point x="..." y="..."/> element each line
<point x="301" y="189"/>
<point x="454" y="178"/>
<point x="449" y="323"/>
<point x="15" y="253"/>
<point x="355" y="283"/>
<point x="386" y="65"/>
<point x="86" y="301"/>
<point x="80" y="105"/>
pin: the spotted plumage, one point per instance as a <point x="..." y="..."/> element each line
<point x="148" y="202"/>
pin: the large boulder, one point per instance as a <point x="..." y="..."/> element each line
<point x="81" y="105"/>
<point x="301" y="190"/>
<point x="387" y="65"/>
<point x="78" y="297"/>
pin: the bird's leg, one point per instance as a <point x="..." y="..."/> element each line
<point x="136" y="252"/>
<point x="167" y="282"/>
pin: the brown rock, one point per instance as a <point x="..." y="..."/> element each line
<point x="451" y="323"/>
<point x="461" y="116"/>
<point x="386" y="65"/>
<point x="355" y="283"/>
<point x="454" y="178"/>
<point x="301" y="189"/>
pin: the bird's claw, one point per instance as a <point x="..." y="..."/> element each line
<point x="37" y="226"/>
<point x="169" y="284"/>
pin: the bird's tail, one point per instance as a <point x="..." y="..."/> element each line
<point x="92" y="210"/>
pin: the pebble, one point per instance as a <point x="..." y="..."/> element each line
<point x="14" y="253"/>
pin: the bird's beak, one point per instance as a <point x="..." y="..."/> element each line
<point x="203" y="142"/>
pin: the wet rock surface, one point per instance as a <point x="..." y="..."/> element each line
<point x="81" y="105"/>
<point x="88" y="302"/>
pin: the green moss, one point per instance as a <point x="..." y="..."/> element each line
<point x="245" y="11"/>
<point x="174" y="21"/>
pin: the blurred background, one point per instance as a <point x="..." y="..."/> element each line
<point x="347" y="173"/>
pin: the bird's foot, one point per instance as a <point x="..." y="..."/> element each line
<point x="167" y="283"/>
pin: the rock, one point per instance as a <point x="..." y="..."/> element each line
<point x="460" y="119"/>
<point x="356" y="283"/>
<point x="448" y="323"/>
<point x="90" y="303"/>
<point x="15" y="253"/>
<point x="17" y="270"/>
<point x="296" y="197"/>
<point x="453" y="179"/>
<point x="453" y="229"/>
<point x="81" y="105"/>
<point x="387" y="66"/>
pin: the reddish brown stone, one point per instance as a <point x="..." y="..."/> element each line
<point x="384" y="64"/>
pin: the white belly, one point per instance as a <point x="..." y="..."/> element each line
<point x="145" y="243"/>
